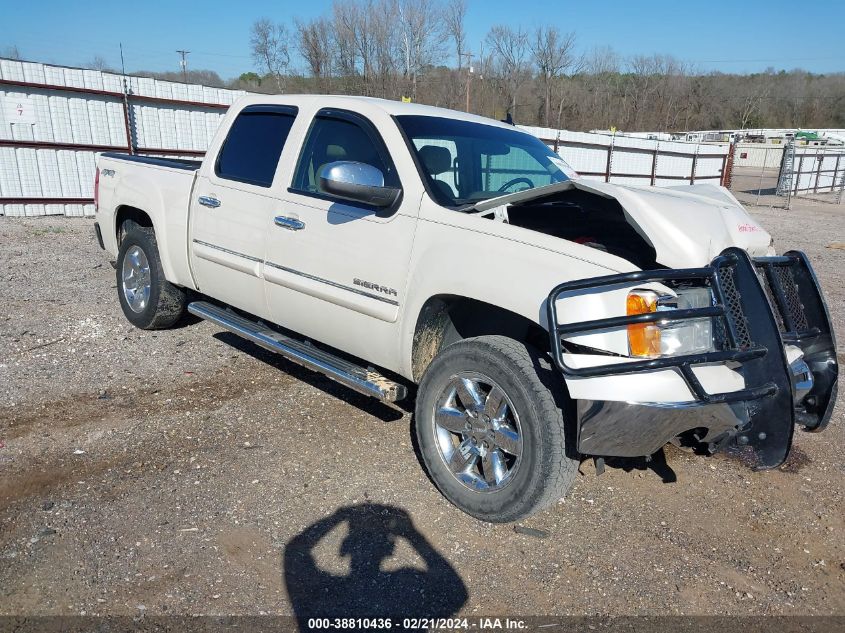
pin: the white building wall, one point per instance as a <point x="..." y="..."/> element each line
<point x="90" y="119"/>
<point x="762" y="155"/>
<point x="97" y="120"/>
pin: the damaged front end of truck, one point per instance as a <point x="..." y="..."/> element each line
<point x="710" y="340"/>
<point x="763" y="319"/>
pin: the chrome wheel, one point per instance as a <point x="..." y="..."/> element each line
<point x="477" y="432"/>
<point x="136" y="279"/>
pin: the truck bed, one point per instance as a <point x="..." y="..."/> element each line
<point x="159" y="187"/>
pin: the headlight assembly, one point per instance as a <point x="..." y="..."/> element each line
<point x="667" y="337"/>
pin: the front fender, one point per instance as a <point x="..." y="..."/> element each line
<point x="463" y="259"/>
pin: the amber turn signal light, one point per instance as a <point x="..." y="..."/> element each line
<point x="643" y="338"/>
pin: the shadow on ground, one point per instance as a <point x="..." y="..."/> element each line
<point x="383" y="412"/>
<point x="377" y="582"/>
<point x="656" y="463"/>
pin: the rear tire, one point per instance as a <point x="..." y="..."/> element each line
<point x="494" y="405"/>
<point x="148" y="300"/>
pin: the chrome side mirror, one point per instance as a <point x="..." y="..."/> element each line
<point x="358" y="182"/>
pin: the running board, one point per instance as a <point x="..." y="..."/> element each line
<point x="365" y="381"/>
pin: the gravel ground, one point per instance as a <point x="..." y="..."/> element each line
<point x="757" y="186"/>
<point x="184" y="472"/>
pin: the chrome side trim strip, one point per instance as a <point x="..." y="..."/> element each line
<point x="329" y="282"/>
<point x="332" y="283"/>
<point x="226" y="250"/>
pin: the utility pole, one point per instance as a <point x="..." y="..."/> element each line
<point x="481" y="77"/>
<point x="183" y="63"/>
<point x="468" y="55"/>
<point x="127" y="111"/>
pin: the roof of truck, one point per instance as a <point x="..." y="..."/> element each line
<point x="361" y="104"/>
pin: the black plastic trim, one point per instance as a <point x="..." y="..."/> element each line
<point x="270" y="108"/>
<point x="99" y="235"/>
<point x="820" y="347"/>
<point x="173" y="163"/>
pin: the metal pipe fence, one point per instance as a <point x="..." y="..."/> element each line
<point x="617" y="154"/>
<point x="773" y="176"/>
<point x="755" y="174"/>
<point x="816" y="173"/>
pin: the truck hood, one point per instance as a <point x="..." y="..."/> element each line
<point x="687" y="225"/>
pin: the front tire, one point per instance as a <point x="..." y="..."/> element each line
<point x="490" y="422"/>
<point x="148" y="300"/>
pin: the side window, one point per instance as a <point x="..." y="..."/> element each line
<point x="499" y="169"/>
<point x="252" y="148"/>
<point x="438" y="158"/>
<point x="332" y="139"/>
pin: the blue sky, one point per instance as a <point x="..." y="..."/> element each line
<point x="732" y="36"/>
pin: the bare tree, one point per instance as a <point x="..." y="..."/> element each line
<point x="385" y="37"/>
<point x="454" y="15"/>
<point x="452" y="84"/>
<point x="645" y="72"/>
<point x="316" y="45"/>
<point x="393" y="48"/>
<point x="270" y="50"/>
<point x="750" y="103"/>
<point x="553" y="53"/>
<point x="599" y="85"/>
<point x="345" y="27"/>
<point x="602" y="60"/>
<point x="98" y="63"/>
<point x="11" y="52"/>
<point x="355" y="39"/>
<point x="421" y="38"/>
<point x="510" y="54"/>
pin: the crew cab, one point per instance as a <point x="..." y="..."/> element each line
<point x="543" y="317"/>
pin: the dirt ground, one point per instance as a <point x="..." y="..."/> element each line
<point x="757" y="186"/>
<point x="184" y="472"/>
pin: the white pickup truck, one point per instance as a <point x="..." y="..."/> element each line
<point x="544" y="318"/>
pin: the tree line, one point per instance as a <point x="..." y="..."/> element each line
<point x="419" y="49"/>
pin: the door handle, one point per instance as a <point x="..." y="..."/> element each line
<point x="209" y="201"/>
<point x="291" y="224"/>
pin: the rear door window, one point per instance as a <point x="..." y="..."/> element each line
<point x="251" y="151"/>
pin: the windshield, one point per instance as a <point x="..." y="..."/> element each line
<point x="467" y="162"/>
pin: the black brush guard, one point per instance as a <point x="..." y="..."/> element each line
<point x="759" y="305"/>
